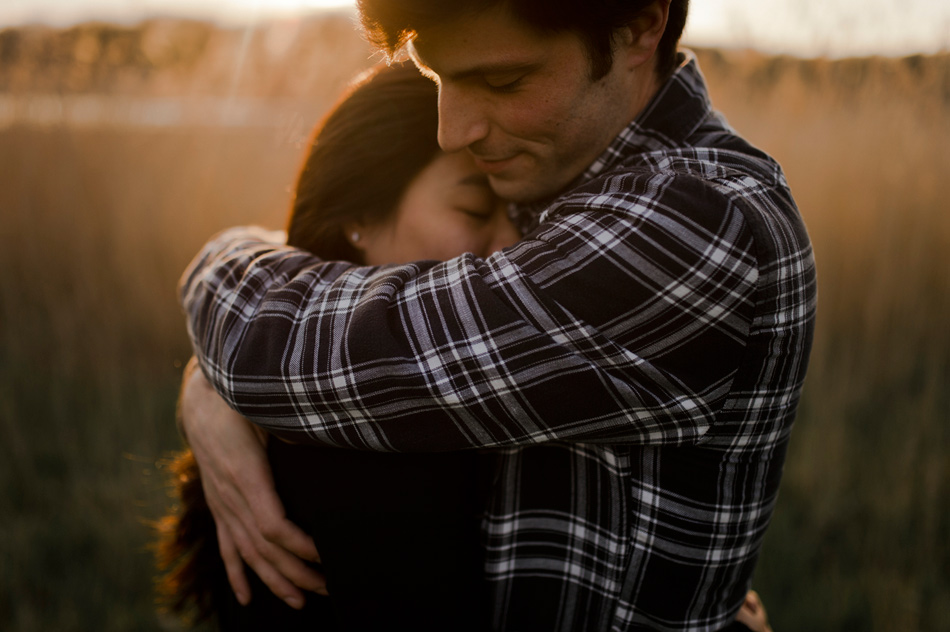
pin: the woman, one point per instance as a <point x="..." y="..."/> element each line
<point x="398" y="533"/>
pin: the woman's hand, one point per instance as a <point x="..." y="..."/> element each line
<point x="237" y="481"/>
<point x="752" y="614"/>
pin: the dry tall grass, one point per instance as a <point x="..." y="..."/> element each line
<point x="96" y="227"/>
<point x="98" y="220"/>
<point x="860" y="535"/>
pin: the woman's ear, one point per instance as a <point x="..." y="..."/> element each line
<point x="354" y="238"/>
<point x="637" y="42"/>
<point x="356" y="234"/>
<point x="364" y="238"/>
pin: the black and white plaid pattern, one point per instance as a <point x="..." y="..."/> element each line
<point x="637" y="359"/>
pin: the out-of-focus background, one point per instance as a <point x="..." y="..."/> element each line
<point x="126" y="142"/>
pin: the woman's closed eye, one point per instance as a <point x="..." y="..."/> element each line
<point x="474" y="197"/>
<point x="480" y="213"/>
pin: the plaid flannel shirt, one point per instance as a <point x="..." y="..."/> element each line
<point x="636" y="360"/>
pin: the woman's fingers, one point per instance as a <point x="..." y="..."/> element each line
<point x="233" y="565"/>
<point x="271" y="544"/>
<point x="254" y="487"/>
<point x="281" y="571"/>
<point x="752" y="613"/>
<point x="242" y="541"/>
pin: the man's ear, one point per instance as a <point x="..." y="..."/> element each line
<point x="637" y="42"/>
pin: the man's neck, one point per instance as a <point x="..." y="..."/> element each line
<point x="641" y="95"/>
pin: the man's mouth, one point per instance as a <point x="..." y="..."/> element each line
<point x="493" y="166"/>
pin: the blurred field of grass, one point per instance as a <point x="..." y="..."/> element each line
<point x="859" y="539"/>
<point x="97" y="224"/>
<point x="97" y="227"/>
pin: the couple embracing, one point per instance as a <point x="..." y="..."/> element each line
<point x="608" y="397"/>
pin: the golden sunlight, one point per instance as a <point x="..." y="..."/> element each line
<point x="809" y="28"/>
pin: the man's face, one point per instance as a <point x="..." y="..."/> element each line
<point x="522" y="102"/>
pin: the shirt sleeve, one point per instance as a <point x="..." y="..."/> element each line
<point x="619" y="319"/>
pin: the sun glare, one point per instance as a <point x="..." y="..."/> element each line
<point x="67" y="12"/>
<point x="230" y="10"/>
<point x="835" y="28"/>
<point x="286" y="6"/>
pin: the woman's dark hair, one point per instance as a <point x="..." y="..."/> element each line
<point x="364" y="154"/>
<point x="381" y="134"/>
<point x="389" y="24"/>
<point x="193" y="576"/>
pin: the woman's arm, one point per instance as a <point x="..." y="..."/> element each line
<point x="248" y="514"/>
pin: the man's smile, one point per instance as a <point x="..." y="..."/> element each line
<point x="494" y="166"/>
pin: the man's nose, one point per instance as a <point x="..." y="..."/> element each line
<point x="462" y="119"/>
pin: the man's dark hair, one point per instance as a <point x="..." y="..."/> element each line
<point x="390" y="24"/>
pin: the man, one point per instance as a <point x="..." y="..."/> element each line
<point x="637" y="359"/>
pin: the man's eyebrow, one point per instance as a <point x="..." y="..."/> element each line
<point x="499" y="68"/>
<point x="481" y="70"/>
